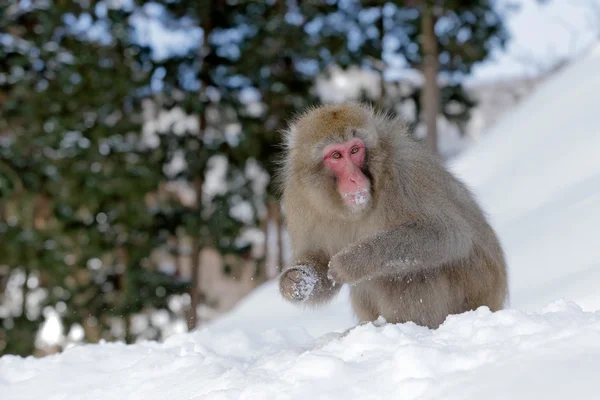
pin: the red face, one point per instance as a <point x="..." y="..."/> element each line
<point x="346" y="160"/>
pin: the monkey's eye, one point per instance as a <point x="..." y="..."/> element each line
<point x="336" y="155"/>
<point x="354" y="150"/>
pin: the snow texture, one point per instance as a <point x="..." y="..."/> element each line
<point x="361" y="197"/>
<point x="359" y="200"/>
<point x="537" y="174"/>
<point x="307" y="283"/>
<point x="508" y="354"/>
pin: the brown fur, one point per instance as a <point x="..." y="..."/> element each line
<point x="421" y="251"/>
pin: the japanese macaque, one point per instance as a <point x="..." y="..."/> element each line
<point x="368" y="206"/>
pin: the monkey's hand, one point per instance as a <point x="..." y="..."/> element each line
<point x="297" y="283"/>
<point x="349" y="265"/>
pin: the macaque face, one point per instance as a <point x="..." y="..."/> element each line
<point x="346" y="161"/>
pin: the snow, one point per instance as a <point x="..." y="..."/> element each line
<point x="508" y="354"/>
<point x="564" y="29"/>
<point x="305" y="278"/>
<point x="341" y="85"/>
<point x="537" y="174"/>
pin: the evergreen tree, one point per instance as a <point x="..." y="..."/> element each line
<point x="75" y="223"/>
<point x="202" y="83"/>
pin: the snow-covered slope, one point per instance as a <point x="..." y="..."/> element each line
<point x="538" y="176"/>
<point x="537" y="173"/>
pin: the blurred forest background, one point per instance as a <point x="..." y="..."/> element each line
<point x="137" y="141"/>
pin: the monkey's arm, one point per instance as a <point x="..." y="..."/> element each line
<point x="306" y="280"/>
<point x="406" y="248"/>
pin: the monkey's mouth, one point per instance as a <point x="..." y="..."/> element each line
<point x="358" y="200"/>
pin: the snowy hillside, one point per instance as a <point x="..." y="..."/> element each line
<point x="537" y="173"/>
<point x="538" y="176"/>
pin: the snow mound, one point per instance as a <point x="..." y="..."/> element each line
<point x="508" y="354"/>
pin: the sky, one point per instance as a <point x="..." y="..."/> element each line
<point x="541" y="35"/>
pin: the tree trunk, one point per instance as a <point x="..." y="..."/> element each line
<point x="194" y="287"/>
<point x="123" y="260"/>
<point x="274" y="214"/>
<point x="262" y="265"/>
<point x="431" y="91"/>
<point x="205" y="51"/>
<point x="279" y="227"/>
<point x="177" y="254"/>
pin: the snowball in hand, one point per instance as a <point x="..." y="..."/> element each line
<point x="298" y="282"/>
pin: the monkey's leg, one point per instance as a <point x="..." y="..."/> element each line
<point x="404" y="249"/>
<point x="363" y="304"/>
<point x="306" y="280"/>
<point x="423" y="298"/>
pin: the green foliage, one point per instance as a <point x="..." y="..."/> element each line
<point x="75" y="173"/>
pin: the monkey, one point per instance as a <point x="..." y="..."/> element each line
<point x="368" y="205"/>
